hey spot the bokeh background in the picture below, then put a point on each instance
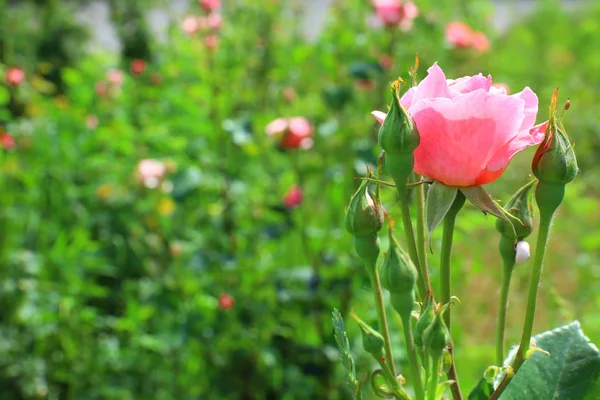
(157, 243)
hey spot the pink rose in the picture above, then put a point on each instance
(395, 12)
(293, 197)
(296, 132)
(469, 131)
(15, 76)
(7, 141)
(190, 25)
(459, 34)
(150, 172)
(115, 77)
(210, 5)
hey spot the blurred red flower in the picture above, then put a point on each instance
(226, 301)
(7, 141)
(293, 197)
(138, 66)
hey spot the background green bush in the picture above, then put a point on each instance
(110, 290)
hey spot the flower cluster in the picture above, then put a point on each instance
(209, 23)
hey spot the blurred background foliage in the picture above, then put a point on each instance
(209, 281)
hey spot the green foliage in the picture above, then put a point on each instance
(571, 370)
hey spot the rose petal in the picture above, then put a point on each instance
(474, 126)
(434, 85)
(531, 137)
(470, 83)
(379, 116)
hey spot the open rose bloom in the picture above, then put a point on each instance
(469, 130)
(396, 12)
(295, 133)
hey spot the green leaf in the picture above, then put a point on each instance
(482, 199)
(342, 340)
(439, 200)
(571, 372)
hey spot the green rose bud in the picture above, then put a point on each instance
(364, 215)
(426, 318)
(399, 137)
(554, 160)
(372, 341)
(436, 337)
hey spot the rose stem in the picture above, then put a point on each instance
(446, 253)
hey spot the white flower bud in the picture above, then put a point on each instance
(523, 253)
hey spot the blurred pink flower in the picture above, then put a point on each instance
(210, 5)
(480, 42)
(289, 94)
(386, 61)
(459, 34)
(190, 25)
(469, 133)
(115, 77)
(396, 12)
(91, 121)
(296, 132)
(15, 76)
(101, 88)
(138, 66)
(150, 172)
(211, 41)
(277, 126)
(7, 141)
(293, 197)
(213, 21)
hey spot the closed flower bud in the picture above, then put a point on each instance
(519, 206)
(554, 160)
(398, 133)
(436, 337)
(364, 215)
(426, 318)
(398, 273)
(399, 137)
(522, 252)
(372, 341)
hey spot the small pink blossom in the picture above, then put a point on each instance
(460, 35)
(277, 126)
(296, 132)
(469, 132)
(211, 42)
(91, 122)
(115, 77)
(101, 88)
(213, 21)
(289, 94)
(293, 197)
(7, 141)
(480, 42)
(150, 172)
(210, 5)
(190, 25)
(396, 12)
(15, 76)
